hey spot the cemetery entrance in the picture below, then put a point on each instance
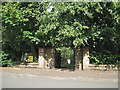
(65, 58)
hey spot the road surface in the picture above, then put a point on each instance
(41, 78)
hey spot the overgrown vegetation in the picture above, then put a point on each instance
(27, 26)
(66, 52)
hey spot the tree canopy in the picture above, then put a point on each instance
(62, 24)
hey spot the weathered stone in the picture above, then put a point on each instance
(85, 57)
(50, 57)
(81, 58)
(46, 58)
(78, 57)
(41, 58)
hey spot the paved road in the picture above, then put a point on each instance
(16, 78)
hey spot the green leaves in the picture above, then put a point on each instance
(101, 38)
(66, 53)
(67, 24)
(29, 36)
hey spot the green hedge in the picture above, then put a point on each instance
(102, 58)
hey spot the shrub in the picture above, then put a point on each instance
(6, 61)
(103, 58)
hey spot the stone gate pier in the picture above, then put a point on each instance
(81, 58)
(86, 61)
(47, 58)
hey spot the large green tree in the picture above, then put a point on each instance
(58, 24)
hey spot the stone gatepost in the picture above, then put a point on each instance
(85, 58)
(46, 58)
(81, 58)
(41, 58)
(50, 57)
(78, 57)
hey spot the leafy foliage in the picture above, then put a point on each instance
(62, 24)
(6, 61)
(66, 53)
